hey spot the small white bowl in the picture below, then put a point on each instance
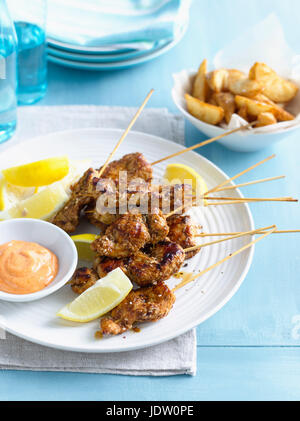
(244, 141)
(49, 236)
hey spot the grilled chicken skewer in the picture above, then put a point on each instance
(160, 260)
(148, 267)
(153, 303)
(150, 303)
(86, 191)
(90, 187)
(131, 232)
(145, 199)
(82, 194)
(143, 305)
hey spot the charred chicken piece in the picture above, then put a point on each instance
(93, 217)
(182, 231)
(135, 164)
(148, 267)
(123, 238)
(100, 220)
(131, 232)
(83, 279)
(104, 265)
(155, 263)
(115, 204)
(143, 305)
(157, 226)
(83, 193)
(138, 175)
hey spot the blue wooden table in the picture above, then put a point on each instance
(249, 349)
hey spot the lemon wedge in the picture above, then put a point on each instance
(2, 195)
(180, 173)
(83, 245)
(99, 299)
(10, 194)
(42, 205)
(44, 201)
(76, 169)
(39, 173)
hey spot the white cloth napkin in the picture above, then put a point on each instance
(177, 356)
(41, 120)
(116, 24)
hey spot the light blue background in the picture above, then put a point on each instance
(247, 350)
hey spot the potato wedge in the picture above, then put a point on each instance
(212, 98)
(263, 98)
(208, 113)
(265, 119)
(276, 88)
(200, 86)
(282, 115)
(227, 101)
(279, 112)
(254, 107)
(244, 87)
(218, 80)
(235, 74)
(243, 112)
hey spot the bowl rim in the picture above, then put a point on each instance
(221, 130)
(50, 288)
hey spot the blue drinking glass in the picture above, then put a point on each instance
(30, 23)
(8, 76)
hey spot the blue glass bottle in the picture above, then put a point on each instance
(30, 24)
(32, 66)
(8, 74)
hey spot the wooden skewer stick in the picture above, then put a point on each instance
(223, 234)
(238, 175)
(180, 208)
(253, 199)
(126, 132)
(249, 183)
(182, 284)
(241, 234)
(235, 202)
(206, 142)
(223, 184)
(231, 201)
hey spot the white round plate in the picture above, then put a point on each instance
(87, 56)
(117, 48)
(68, 61)
(36, 321)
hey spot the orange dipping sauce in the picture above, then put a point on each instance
(26, 267)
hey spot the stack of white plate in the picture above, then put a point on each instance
(77, 30)
(93, 58)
